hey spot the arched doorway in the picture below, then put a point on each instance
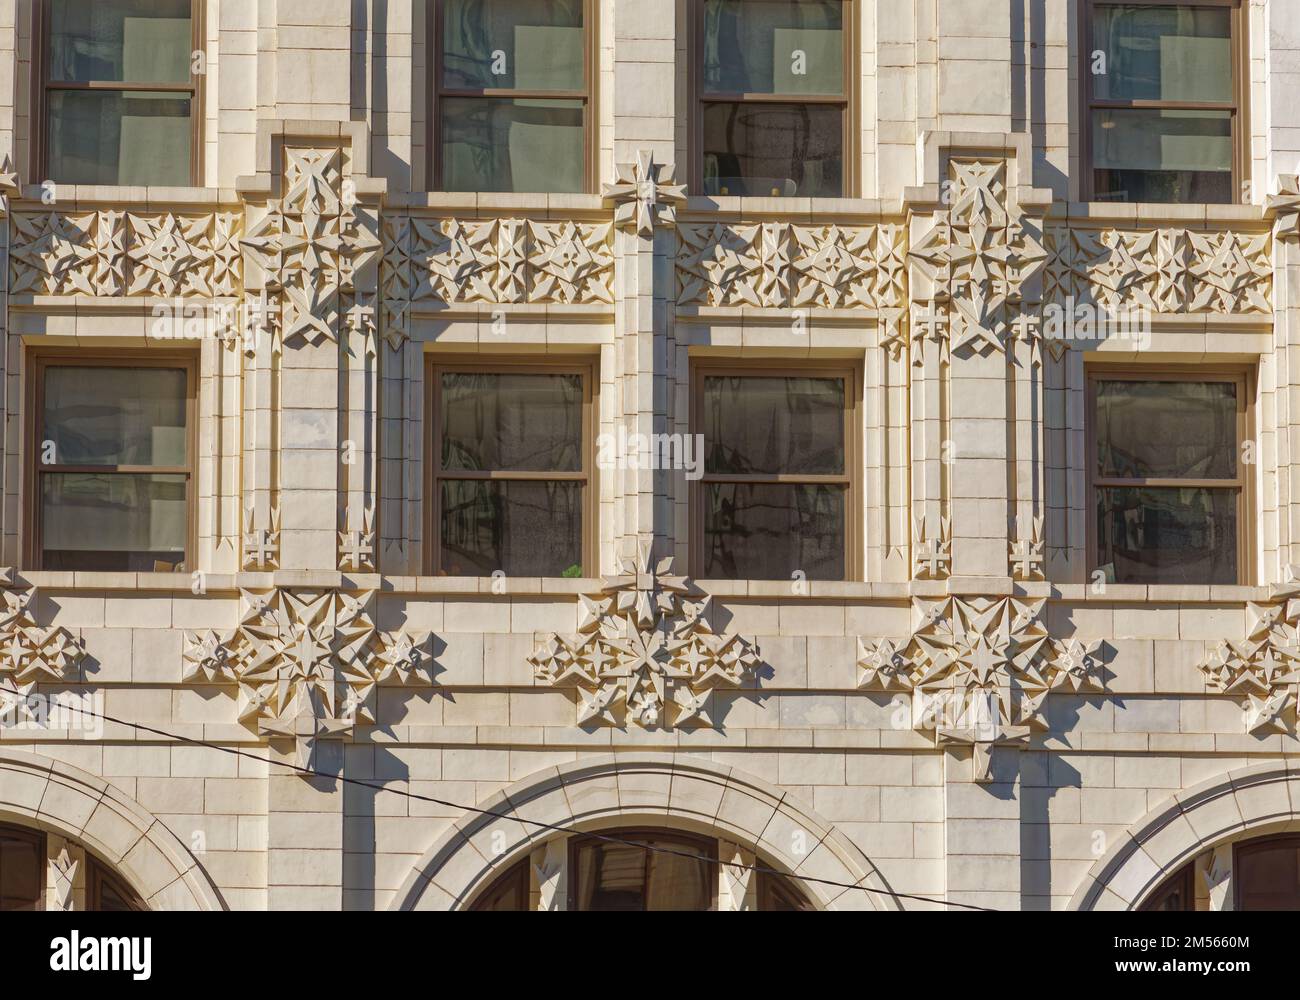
(39, 872)
(647, 869)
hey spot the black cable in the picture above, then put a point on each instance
(309, 772)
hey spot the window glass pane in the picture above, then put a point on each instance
(512, 422)
(111, 137)
(679, 883)
(768, 531)
(520, 528)
(621, 877)
(113, 523)
(136, 41)
(1269, 876)
(1164, 430)
(1167, 535)
(778, 894)
(1162, 156)
(498, 144)
(111, 896)
(773, 47)
(115, 416)
(513, 44)
(774, 150)
(772, 425)
(1158, 53)
(21, 868)
(509, 894)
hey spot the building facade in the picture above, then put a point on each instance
(621, 454)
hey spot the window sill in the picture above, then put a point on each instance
(75, 197)
(784, 590)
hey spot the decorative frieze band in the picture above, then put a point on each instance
(783, 266)
(495, 261)
(1161, 271)
(111, 253)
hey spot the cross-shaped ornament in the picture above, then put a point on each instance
(982, 738)
(259, 548)
(1026, 559)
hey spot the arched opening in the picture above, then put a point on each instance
(1265, 875)
(641, 869)
(475, 864)
(26, 883)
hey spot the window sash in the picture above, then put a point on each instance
(194, 89)
(702, 96)
(441, 92)
(584, 477)
(1093, 104)
(849, 480)
(37, 471)
(1241, 486)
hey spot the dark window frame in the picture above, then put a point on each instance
(1244, 484)
(1239, 108)
(1182, 884)
(39, 361)
(852, 478)
(97, 876)
(37, 839)
(437, 92)
(847, 100)
(1255, 846)
(517, 877)
(196, 89)
(434, 474)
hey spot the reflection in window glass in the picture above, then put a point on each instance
(1167, 429)
(499, 144)
(511, 474)
(773, 150)
(22, 869)
(757, 50)
(766, 531)
(1168, 479)
(119, 98)
(513, 44)
(1163, 53)
(1266, 874)
(615, 877)
(774, 500)
(773, 47)
(512, 96)
(1182, 536)
(1162, 111)
(120, 138)
(1162, 156)
(114, 468)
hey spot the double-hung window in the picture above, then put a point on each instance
(512, 469)
(772, 112)
(776, 500)
(1170, 477)
(119, 91)
(1162, 83)
(113, 469)
(512, 109)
